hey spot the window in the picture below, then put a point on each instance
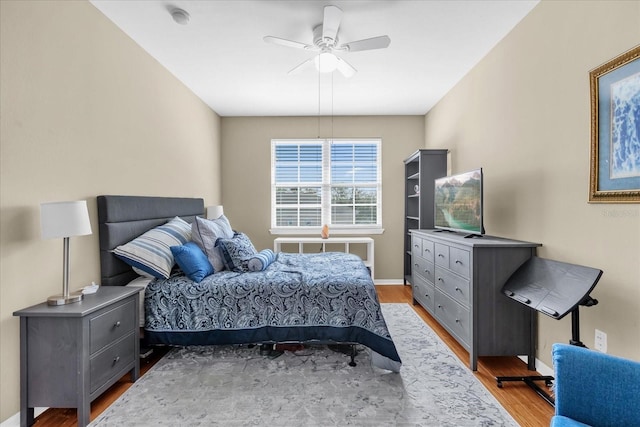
(325, 181)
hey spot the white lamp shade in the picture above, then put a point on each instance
(214, 212)
(326, 62)
(64, 219)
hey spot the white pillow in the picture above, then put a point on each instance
(205, 232)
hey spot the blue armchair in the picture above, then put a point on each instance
(594, 389)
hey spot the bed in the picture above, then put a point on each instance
(323, 298)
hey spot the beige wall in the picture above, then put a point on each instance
(84, 111)
(523, 114)
(246, 163)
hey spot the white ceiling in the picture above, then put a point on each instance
(221, 56)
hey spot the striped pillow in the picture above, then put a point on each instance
(151, 251)
(261, 260)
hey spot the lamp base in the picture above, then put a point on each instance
(68, 299)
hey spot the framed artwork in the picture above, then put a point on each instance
(615, 130)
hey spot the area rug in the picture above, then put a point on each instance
(239, 386)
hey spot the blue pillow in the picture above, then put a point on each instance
(236, 252)
(261, 260)
(192, 261)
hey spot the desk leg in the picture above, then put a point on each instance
(531, 357)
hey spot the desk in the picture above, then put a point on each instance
(301, 241)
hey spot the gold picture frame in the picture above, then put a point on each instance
(615, 146)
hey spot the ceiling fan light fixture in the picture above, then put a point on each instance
(326, 62)
(180, 16)
(325, 41)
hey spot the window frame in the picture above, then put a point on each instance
(326, 185)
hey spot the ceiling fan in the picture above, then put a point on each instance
(325, 41)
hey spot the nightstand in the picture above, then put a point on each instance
(70, 354)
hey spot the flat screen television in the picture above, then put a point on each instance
(458, 203)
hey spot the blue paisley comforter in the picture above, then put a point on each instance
(325, 297)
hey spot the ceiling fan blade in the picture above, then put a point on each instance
(379, 42)
(306, 64)
(331, 22)
(345, 68)
(288, 43)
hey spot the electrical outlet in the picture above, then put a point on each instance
(601, 341)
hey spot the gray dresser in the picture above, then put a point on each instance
(70, 354)
(458, 281)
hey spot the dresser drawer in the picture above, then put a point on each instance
(454, 317)
(111, 361)
(427, 250)
(112, 325)
(423, 292)
(459, 261)
(423, 268)
(416, 246)
(442, 255)
(454, 286)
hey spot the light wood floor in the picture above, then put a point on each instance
(526, 407)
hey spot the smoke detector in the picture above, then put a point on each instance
(180, 16)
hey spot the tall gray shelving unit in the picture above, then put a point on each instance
(421, 169)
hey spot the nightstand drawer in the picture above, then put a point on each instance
(111, 361)
(111, 325)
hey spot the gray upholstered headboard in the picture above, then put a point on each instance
(122, 218)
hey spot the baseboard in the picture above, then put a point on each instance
(388, 281)
(540, 366)
(14, 421)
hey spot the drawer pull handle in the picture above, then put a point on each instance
(457, 320)
(427, 271)
(416, 264)
(441, 256)
(416, 246)
(457, 288)
(427, 250)
(439, 306)
(116, 360)
(440, 279)
(117, 324)
(458, 262)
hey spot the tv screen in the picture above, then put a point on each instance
(458, 202)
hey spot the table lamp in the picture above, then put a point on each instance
(214, 212)
(64, 219)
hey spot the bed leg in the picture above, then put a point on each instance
(353, 355)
